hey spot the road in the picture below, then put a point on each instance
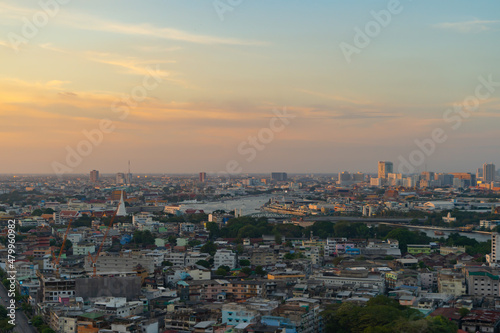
(21, 321)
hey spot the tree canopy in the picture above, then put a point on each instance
(382, 315)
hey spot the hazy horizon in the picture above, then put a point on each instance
(208, 80)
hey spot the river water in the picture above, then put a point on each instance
(473, 235)
(252, 204)
(248, 205)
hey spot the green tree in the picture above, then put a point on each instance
(37, 212)
(194, 242)
(148, 238)
(48, 330)
(463, 312)
(278, 239)
(240, 249)
(213, 229)
(172, 240)
(209, 247)
(222, 271)
(244, 262)
(260, 271)
(203, 263)
(37, 321)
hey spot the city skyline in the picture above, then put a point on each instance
(215, 79)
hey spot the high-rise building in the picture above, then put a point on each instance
(488, 172)
(467, 179)
(444, 179)
(203, 176)
(94, 176)
(358, 177)
(120, 178)
(479, 174)
(428, 175)
(385, 168)
(279, 176)
(344, 176)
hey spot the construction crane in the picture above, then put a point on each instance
(55, 261)
(93, 260)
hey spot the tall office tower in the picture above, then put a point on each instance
(385, 168)
(94, 176)
(428, 175)
(344, 177)
(479, 174)
(488, 172)
(358, 177)
(203, 177)
(120, 178)
(444, 179)
(279, 176)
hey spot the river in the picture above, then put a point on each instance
(473, 235)
(248, 205)
(252, 204)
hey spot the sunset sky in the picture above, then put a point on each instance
(221, 79)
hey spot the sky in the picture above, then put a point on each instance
(248, 86)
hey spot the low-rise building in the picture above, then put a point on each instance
(451, 283)
(225, 257)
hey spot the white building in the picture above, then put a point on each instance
(449, 219)
(83, 249)
(119, 306)
(176, 258)
(489, 224)
(439, 205)
(157, 256)
(225, 258)
(142, 218)
(495, 254)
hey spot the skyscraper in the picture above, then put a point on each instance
(358, 177)
(488, 172)
(385, 168)
(203, 176)
(479, 174)
(344, 177)
(279, 176)
(120, 178)
(94, 176)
